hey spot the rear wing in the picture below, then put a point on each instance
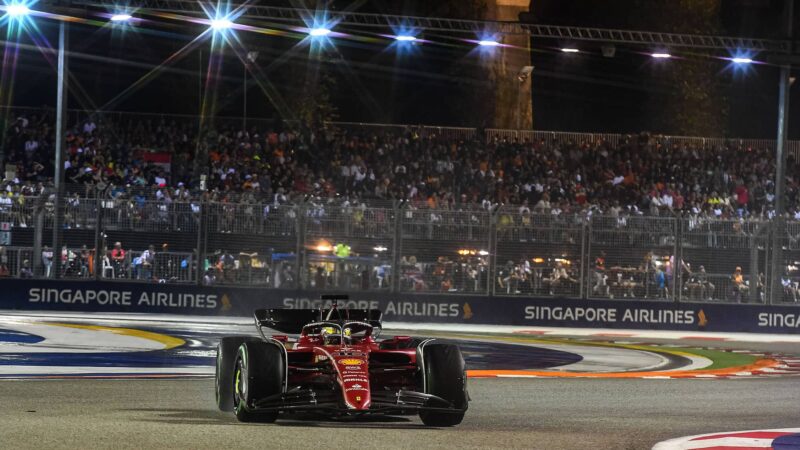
(292, 321)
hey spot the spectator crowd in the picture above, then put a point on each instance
(136, 168)
(274, 165)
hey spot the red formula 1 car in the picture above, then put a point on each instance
(338, 367)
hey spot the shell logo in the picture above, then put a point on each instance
(351, 362)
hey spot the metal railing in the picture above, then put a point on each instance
(505, 251)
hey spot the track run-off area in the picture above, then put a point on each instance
(131, 381)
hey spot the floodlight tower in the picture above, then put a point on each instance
(784, 82)
(62, 94)
(509, 60)
(248, 63)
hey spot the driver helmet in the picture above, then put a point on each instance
(332, 335)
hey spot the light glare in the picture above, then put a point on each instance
(661, 55)
(405, 38)
(739, 60)
(570, 50)
(17, 10)
(488, 43)
(121, 17)
(221, 24)
(319, 32)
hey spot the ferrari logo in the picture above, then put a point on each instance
(358, 398)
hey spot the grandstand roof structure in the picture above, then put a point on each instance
(254, 10)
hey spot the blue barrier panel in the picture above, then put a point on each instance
(431, 308)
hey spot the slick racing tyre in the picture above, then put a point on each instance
(445, 377)
(227, 350)
(258, 373)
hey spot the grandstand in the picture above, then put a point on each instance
(420, 209)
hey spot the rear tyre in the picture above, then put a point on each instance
(227, 349)
(258, 373)
(445, 377)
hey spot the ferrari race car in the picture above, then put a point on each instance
(338, 367)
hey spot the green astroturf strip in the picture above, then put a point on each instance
(721, 360)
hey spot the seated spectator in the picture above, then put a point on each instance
(698, 285)
(790, 288)
(209, 278)
(25, 271)
(559, 277)
(226, 265)
(740, 287)
(147, 261)
(118, 260)
(600, 276)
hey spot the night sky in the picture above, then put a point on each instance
(373, 83)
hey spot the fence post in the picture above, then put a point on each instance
(300, 253)
(37, 239)
(397, 245)
(490, 282)
(584, 261)
(202, 241)
(99, 241)
(677, 271)
(775, 272)
(769, 269)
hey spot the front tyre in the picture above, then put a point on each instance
(227, 350)
(445, 377)
(259, 373)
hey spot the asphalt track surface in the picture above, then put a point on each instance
(532, 413)
(504, 413)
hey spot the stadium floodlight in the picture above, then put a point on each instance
(570, 50)
(661, 55)
(121, 17)
(741, 60)
(319, 32)
(405, 38)
(17, 10)
(488, 43)
(221, 24)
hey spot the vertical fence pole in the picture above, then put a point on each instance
(202, 241)
(397, 246)
(584, 261)
(37, 240)
(753, 272)
(492, 272)
(299, 259)
(780, 159)
(61, 128)
(677, 270)
(99, 242)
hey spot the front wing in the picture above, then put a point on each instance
(402, 402)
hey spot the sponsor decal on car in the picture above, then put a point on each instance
(351, 362)
(356, 387)
(347, 379)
